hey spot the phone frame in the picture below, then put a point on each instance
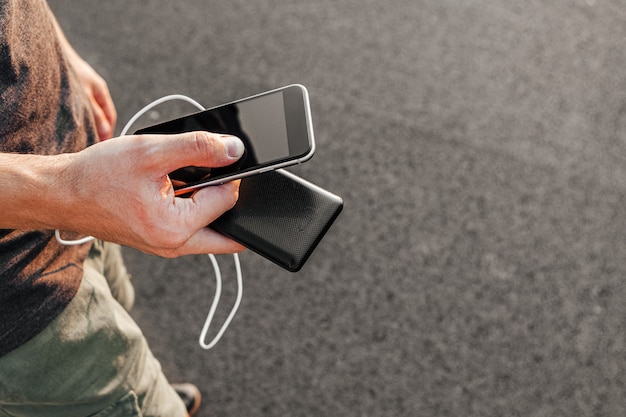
(269, 166)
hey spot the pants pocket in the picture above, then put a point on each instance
(127, 406)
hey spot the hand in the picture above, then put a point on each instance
(97, 91)
(119, 191)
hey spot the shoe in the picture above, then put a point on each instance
(190, 394)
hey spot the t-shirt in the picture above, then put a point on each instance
(43, 110)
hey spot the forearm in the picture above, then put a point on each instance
(34, 191)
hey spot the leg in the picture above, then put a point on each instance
(92, 359)
(106, 258)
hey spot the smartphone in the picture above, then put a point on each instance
(274, 126)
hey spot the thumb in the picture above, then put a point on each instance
(195, 148)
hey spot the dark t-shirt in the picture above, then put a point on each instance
(42, 111)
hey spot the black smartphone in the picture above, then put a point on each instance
(280, 216)
(275, 127)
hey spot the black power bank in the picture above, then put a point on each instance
(280, 216)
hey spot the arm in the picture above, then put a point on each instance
(119, 191)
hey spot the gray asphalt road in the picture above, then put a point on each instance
(480, 147)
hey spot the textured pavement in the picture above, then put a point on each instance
(478, 267)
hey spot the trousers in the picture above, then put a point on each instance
(93, 359)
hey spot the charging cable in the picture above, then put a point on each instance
(216, 267)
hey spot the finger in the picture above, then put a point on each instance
(208, 204)
(103, 98)
(206, 241)
(203, 208)
(103, 127)
(196, 149)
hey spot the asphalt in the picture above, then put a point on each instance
(480, 148)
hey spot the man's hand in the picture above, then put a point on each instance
(119, 191)
(97, 90)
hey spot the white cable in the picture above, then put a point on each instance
(216, 299)
(216, 267)
(77, 242)
(156, 103)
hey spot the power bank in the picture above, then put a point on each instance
(280, 216)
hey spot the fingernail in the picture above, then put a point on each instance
(234, 146)
(104, 129)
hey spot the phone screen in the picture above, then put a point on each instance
(274, 128)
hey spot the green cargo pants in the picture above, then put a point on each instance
(93, 359)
